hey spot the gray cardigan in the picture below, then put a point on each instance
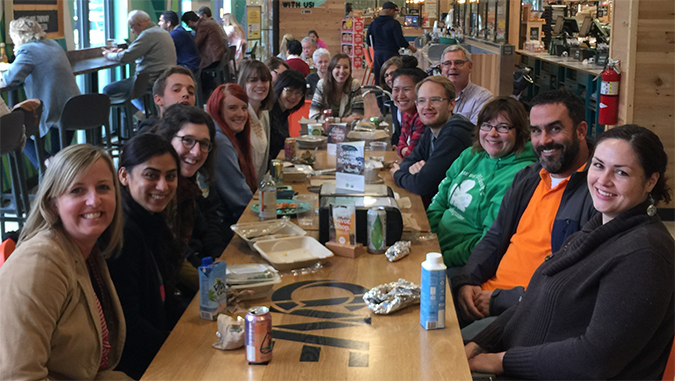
(45, 72)
(231, 186)
(153, 52)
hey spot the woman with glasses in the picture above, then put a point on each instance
(338, 92)
(193, 216)
(289, 91)
(256, 80)
(145, 271)
(235, 176)
(468, 199)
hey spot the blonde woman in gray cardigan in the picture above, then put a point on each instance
(339, 92)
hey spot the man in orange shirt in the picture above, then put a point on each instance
(547, 202)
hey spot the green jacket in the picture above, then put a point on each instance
(468, 200)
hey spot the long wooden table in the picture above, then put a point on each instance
(322, 329)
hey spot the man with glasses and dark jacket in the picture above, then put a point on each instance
(444, 140)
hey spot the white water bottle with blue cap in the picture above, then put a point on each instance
(432, 301)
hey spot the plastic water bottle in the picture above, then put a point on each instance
(212, 288)
(267, 199)
(432, 298)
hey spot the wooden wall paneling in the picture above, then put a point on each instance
(486, 71)
(623, 48)
(654, 90)
(325, 19)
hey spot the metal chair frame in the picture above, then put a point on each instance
(12, 132)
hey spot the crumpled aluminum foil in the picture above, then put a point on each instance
(398, 250)
(391, 297)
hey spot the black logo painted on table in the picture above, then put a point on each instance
(342, 307)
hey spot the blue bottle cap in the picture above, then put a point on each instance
(207, 261)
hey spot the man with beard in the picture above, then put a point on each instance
(547, 202)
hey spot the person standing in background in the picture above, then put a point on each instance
(385, 36)
(212, 44)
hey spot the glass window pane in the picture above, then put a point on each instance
(96, 23)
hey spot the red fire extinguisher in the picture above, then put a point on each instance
(609, 93)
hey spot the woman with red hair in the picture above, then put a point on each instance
(235, 175)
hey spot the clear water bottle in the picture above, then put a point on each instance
(267, 199)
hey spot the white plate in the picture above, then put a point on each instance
(310, 141)
(258, 290)
(274, 228)
(292, 253)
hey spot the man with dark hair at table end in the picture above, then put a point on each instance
(447, 135)
(212, 43)
(385, 36)
(547, 202)
(153, 51)
(175, 85)
(187, 53)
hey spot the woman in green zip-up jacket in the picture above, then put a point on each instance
(469, 197)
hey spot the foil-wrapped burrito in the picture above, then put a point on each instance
(391, 297)
(398, 250)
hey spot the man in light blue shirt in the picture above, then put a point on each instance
(456, 66)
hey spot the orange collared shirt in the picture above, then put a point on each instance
(532, 241)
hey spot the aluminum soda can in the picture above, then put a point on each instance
(258, 335)
(277, 171)
(289, 149)
(377, 230)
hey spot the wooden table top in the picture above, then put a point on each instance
(92, 65)
(322, 329)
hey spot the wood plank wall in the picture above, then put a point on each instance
(326, 19)
(486, 71)
(654, 88)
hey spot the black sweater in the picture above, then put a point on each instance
(142, 273)
(600, 308)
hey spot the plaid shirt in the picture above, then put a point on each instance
(412, 130)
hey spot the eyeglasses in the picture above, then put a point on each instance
(434, 101)
(291, 91)
(457, 63)
(502, 128)
(389, 74)
(189, 141)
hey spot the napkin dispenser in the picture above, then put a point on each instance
(362, 204)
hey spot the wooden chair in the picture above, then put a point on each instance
(31, 120)
(86, 112)
(12, 132)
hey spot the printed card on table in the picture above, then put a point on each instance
(337, 133)
(350, 166)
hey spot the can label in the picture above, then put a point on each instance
(377, 230)
(289, 149)
(258, 335)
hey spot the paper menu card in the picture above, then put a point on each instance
(350, 166)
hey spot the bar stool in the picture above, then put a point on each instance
(12, 132)
(32, 113)
(86, 112)
(220, 73)
(123, 104)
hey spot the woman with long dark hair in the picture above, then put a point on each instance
(601, 307)
(146, 269)
(235, 175)
(338, 92)
(289, 91)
